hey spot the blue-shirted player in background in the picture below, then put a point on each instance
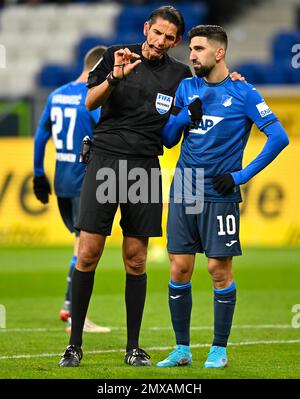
(67, 120)
(216, 115)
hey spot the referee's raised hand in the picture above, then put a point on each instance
(123, 65)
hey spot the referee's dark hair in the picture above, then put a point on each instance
(93, 56)
(211, 32)
(171, 14)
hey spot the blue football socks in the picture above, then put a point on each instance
(69, 278)
(180, 304)
(224, 304)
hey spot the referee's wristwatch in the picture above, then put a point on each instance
(112, 80)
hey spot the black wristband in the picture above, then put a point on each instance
(112, 80)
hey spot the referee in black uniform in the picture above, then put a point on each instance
(135, 85)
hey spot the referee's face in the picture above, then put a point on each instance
(160, 37)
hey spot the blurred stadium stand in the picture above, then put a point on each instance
(128, 29)
(36, 36)
(261, 41)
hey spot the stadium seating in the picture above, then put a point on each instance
(294, 75)
(37, 35)
(282, 45)
(54, 75)
(42, 42)
(46, 38)
(268, 74)
(128, 29)
(279, 70)
(251, 71)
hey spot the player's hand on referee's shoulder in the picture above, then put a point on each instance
(237, 76)
(41, 188)
(124, 63)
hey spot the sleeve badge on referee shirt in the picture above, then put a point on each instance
(163, 103)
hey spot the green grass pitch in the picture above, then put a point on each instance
(263, 343)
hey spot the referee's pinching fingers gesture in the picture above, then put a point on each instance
(123, 65)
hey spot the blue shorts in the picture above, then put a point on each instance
(69, 209)
(214, 231)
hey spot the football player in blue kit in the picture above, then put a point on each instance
(215, 114)
(67, 120)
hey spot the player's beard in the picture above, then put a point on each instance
(203, 70)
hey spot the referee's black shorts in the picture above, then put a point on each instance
(106, 186)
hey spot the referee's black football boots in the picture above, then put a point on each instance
(71, 357)
(137, 357)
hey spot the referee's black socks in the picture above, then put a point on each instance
(135, 295)
(82, 287)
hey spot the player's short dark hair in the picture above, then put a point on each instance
(211, 32)
(93, 56)
(171, 14)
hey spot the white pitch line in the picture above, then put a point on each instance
(30, 329)
(241, 326)
(159, 348)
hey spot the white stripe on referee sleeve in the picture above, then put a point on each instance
(95, 66)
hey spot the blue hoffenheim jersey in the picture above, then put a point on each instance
(217, 143)
(66, 118)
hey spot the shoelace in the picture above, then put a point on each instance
(71, 352)
(141, 352)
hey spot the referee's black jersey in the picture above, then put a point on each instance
(133, 116)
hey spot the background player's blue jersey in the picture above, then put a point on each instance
(217, 143)
(66, 118)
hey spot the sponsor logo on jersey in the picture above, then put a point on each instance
(207, 122)
(263, 109)
(163, 103)
(226, 101)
